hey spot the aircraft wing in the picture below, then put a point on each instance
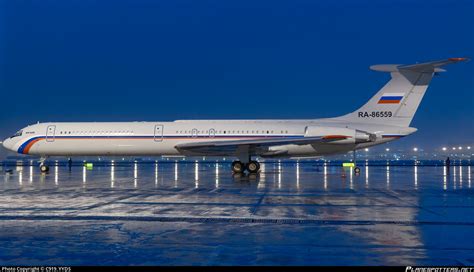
(213, 147)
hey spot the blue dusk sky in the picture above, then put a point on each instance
(144, 60)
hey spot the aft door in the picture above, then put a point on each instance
(158, 136)
(50, 131)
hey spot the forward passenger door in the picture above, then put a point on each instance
(158, 134)
(50, 133)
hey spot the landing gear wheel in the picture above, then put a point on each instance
(237, 167)
(357, 170)
(44, 168)
(253, 166)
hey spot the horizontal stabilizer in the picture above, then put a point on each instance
(426, 67)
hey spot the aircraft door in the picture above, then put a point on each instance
(50, 133)
(212, 133)
(158, 135)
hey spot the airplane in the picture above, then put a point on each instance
(384, 118)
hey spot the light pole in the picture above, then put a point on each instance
(415, 149)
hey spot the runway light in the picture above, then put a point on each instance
(468, 147)
(387, 149)
(444, 148)
(454, 148)
(415, 149)
(460, 148)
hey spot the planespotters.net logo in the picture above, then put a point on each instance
(439, 269)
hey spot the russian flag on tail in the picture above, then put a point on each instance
(391, 98)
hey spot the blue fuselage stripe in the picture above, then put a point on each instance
(125, 137)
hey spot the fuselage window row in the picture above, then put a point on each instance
(210, 133)
(213, 132)
(95, 132)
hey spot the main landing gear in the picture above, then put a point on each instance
(251, 166)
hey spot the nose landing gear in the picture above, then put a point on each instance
(43, 167)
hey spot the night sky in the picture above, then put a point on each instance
(144, 60)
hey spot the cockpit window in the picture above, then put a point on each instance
(19, 133)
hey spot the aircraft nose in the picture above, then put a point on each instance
(8, 144)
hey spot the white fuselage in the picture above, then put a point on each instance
(161, 138)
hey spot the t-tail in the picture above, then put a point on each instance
(396, 103)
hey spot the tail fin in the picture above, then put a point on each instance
(396, 103)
